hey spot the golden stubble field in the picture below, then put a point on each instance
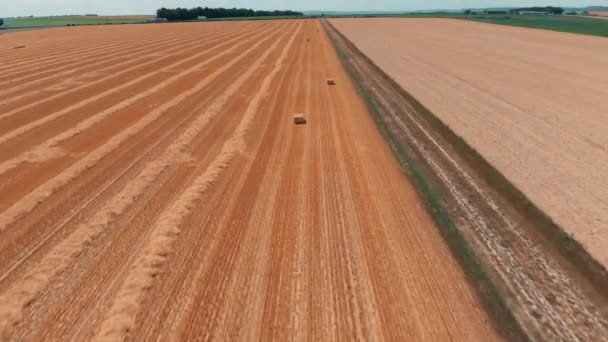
(153, 186)
(532, 102)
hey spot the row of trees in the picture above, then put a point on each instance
(1, 22)
(548, 9)
(172, 14)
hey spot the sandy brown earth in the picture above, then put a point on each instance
(599, 13)
(153, 186)
(532, 102)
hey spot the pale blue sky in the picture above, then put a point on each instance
(57, 7)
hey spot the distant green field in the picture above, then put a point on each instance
(561, 23)
(64, 21)
(572, 24)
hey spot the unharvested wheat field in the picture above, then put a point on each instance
(532, 102)
(153, 186)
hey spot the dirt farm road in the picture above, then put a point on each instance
(153, 186)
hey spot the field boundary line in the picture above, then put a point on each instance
(121, 316)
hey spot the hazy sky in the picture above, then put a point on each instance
(57, 7)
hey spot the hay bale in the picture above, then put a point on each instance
(299, 118)
(331, 81)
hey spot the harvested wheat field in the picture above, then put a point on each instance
(153, 186)
(599, 13)
(532, 102)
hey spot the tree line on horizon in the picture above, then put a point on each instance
(173, 14)
(547, 9)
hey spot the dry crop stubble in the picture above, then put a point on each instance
(165, 199)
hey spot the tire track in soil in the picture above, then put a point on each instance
(120, 319)
(346, 317)
(74, 243)
(385, 253)
(340, 226)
